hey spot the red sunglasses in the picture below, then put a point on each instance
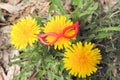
(42, 37)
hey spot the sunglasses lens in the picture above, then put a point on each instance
(69, 33)
(48, 38)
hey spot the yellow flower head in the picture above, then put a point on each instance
(56, 25)
(81, 60)
(24, 32)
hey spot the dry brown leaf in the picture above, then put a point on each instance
(2, 74)
(14, 69)
(14, 2)
(12, 19)
(1, 55)
(115, 70)
(105, 4)
(7, 56)
(5, 36)
(8, 7)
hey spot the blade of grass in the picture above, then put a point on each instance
(59, 6)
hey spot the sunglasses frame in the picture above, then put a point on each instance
(41, 37)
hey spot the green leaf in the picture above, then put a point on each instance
(1, 14)
(113, 28)
(18, 62)
(59, 6)
(93, 7)
(79, 3)
(24, 55)
(59, 54)
(110, 49)
(23, 75)
(52, 7)
(61, 66)
(103, 35)
(49, 58)
(41, 73)
(110, 68)
(47, 65)
(51, 75)
(37, 18)
(88, 0)
(16, 77)
(89, 10)
(75, 14)
(35, 57)
(58, 77)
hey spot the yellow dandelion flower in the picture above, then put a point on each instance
(56, 25)
(81, 60)
(24, 32)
